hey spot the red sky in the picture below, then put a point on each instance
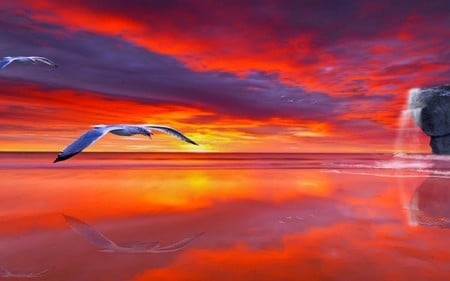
(288, 76)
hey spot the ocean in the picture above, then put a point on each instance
(264, 216)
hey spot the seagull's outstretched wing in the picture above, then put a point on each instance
(44, 60)
(94, 236)
(4, 62)
(82, 142)
(177, 245)
(6, 273)
(171, 131)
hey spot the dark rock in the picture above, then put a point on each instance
(431, 112)
(440, 145)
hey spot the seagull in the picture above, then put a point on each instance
(106, 245)
(99, 131)
(7, 60)
(5, 273)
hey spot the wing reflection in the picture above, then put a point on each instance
(106, 245)
(7, 274)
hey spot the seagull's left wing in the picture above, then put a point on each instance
(172, 132)
(4, 62)
(82, 142)
(177, 245)
(44, 60)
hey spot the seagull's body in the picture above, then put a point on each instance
(99, 131)
(106, 245)
(33, 59)
(7, 274)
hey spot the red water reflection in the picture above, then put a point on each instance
(260, 224)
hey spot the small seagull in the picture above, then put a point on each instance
(106, 245)
(7, 274)
(7, 60)
(99, 131)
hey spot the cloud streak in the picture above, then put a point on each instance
(273, 62)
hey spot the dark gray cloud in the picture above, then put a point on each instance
(115, 67)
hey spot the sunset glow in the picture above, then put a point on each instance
(236, 77)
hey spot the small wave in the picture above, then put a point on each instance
(390, 164)
(422, 156)
(409, 174)
(398, 164)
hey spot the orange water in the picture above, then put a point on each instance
(266, 217)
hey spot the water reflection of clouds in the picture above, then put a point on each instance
(347, 221)
(249, 225)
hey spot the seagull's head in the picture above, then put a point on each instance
(145, 131)
(99, 126)
(7, 58)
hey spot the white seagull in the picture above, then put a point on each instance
(99, 131)
(7, 274)
(7, 60)
(106, 245)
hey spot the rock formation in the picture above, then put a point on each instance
(431, 112)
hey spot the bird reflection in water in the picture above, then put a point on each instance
(7, 274)
(106, 245)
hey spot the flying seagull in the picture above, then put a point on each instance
(99, 131)
(5, 273)
(106, 245)
(7, 60)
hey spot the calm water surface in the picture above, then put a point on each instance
(265, 216)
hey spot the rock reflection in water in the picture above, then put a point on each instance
(430, 203)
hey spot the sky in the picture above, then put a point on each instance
(234, 76)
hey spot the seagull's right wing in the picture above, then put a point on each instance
(94, 236)
(4, 62)
(82, 142)
(177, 245)
(171, 131)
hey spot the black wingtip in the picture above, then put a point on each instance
(58, 159)
(63, 157)
(191, 142)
